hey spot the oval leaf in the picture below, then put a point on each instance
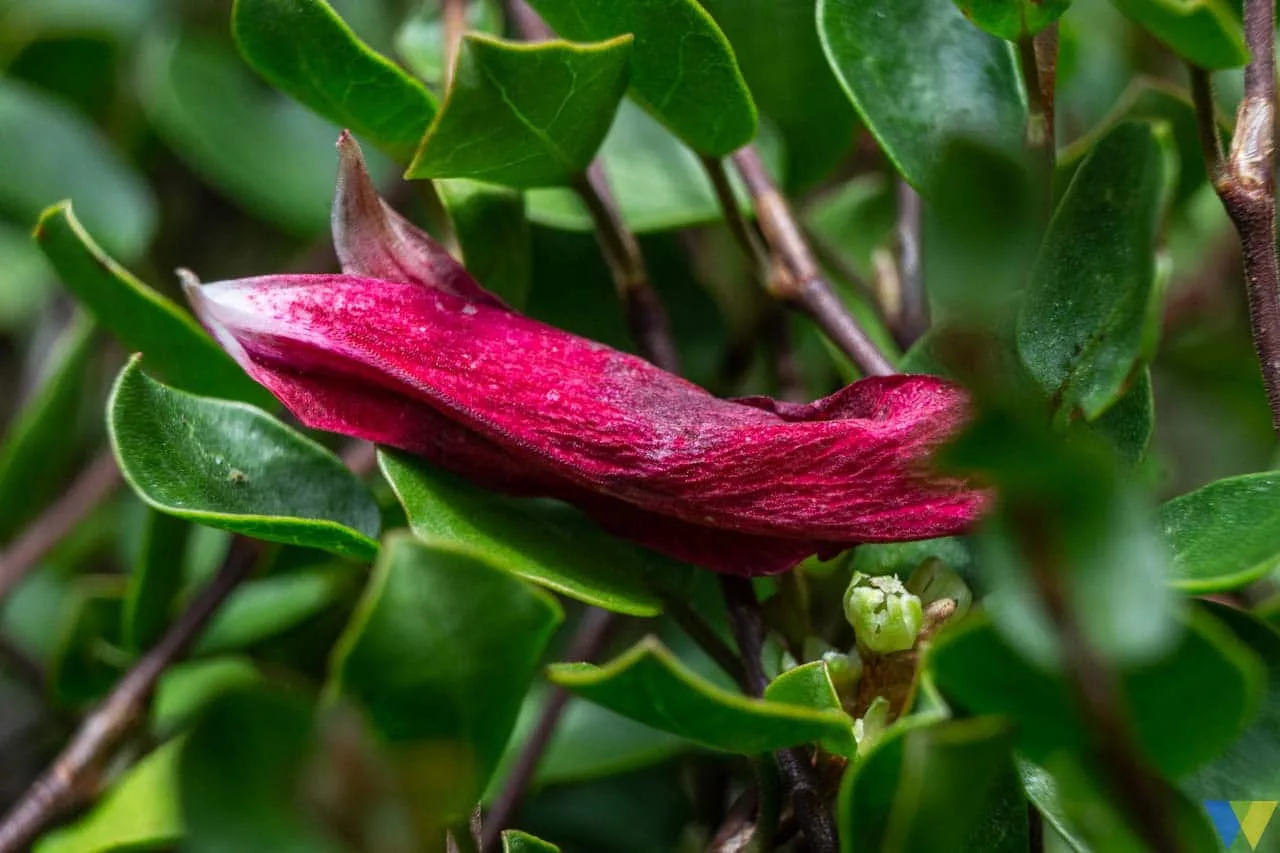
(540, 110)
(514, 841)
(649, 684)
(1091, 310)
(302, 47)
(1207, 33)
(1013, 19)
(920, 74)
(682, 68)
(1226, 534)
(234, 467)
(439, 653)
(809, 685)
(555, 548)
(142, 319)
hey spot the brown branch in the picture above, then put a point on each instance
(812, 809)
(454, 15)
(585, 646)
(799, 281)
(913, 316)
(1206, 121)
(74, 774)
(90, 488)
(1245, 181)
(1039, 134)
(1046, 49)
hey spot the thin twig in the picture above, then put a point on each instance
(646, 318)
(1046, 49)
(794, 764)
(89, 489)
(913, 316)
(585, 646)
(801, 283)
(74, 774)
(1132, 784)
(742, 231)
(1039, 139)
(1206, 120)
(454, 15)
(1245, 181)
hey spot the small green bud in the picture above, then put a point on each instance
(934, 580)
(884, 615)
(868, 728)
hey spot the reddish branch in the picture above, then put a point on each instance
(75, 775)
(1245, 181)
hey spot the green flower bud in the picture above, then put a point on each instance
(934, 580)
(884, 615)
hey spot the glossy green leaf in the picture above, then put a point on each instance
(649, 684)
(1013, 19)
(1207, 33)
(809, 686)
(547, 544)
(1091, 311)
(1226, 534)
(234, 467)
(420, 40)
(154, 580)
(303, 48)
(241, 772)
(138, 316)
(524, 115)
(187, 687)
(1210, 677)
(272, 156)
(439, 653)
(682, 68)
(1129, 424)
(138, 812)
(35, 450)
(777, 47)
(921, 75)
(514, 841)
(924, 786)
(1252, 763)
(85, 663)
(266, 607)
(660, 184)
(493, 234)
(51, 153)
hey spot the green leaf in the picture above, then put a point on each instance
(524, 115)
(1128, 425)
(1226, 534)
(682, 68)
(303, 48)
(85, 664)
(36, 449)
(1210, 677)
(51, 153)
(649, 684)
(439, 653)
(902, 558)
(544, 543)
(920, 75)
(1207, 33)
(514, 841)
(492, 231)
(241, 771)
(420, 40)
(1091, 311)
(138, 812)
(154, 580)
(809, 686)
(187, 688)
(266, 607)
(1251, 765)
(777, 47)
(924, 786)
(1013, 19)
(234, 467)
(269, 154)
(138, 316)
(26, 282)
(660, 184)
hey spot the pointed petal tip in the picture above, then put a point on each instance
(190, 287)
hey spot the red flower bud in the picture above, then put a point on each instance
(406, 349)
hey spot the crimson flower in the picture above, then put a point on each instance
(405, 349)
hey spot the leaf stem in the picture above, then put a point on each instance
(794, 764)
(454, 15)
(1245, 181)
(913, 316)
(797, 279)
(592, 632)
(89, 489)
(74, 774)
(1039, 109)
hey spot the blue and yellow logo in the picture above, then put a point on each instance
(1235, 817)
